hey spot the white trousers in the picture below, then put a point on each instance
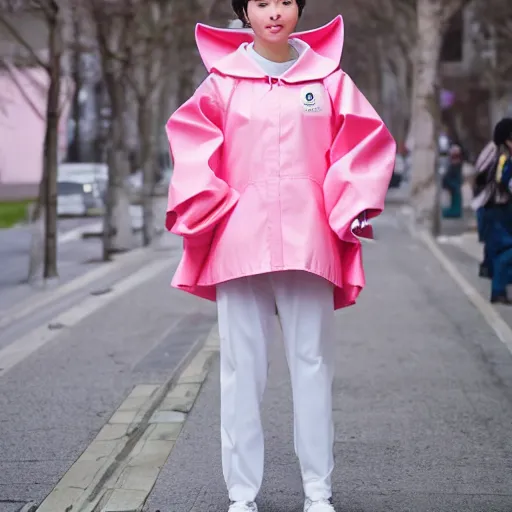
(246, 313)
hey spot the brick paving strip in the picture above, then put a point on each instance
(118, 470)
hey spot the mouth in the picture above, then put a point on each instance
(274, 29)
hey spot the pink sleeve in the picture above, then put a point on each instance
(362, 158)
(198, 198)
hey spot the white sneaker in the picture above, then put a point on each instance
(243, 506)
(318, 506)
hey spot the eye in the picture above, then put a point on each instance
(262, 4)
(288, 2)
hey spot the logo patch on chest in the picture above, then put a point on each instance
(312, 98)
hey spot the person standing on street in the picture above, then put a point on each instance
(279, 164)
(484, 165)
(499, 215)
(452, 182)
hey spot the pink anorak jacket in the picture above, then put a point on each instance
(270, 173)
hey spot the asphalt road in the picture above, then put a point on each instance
(54, 402)
(15, 246)
(423, 394)
(422, 400)
(75, 255)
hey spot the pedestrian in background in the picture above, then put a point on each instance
(493, 204)
(276, 157)
(484, 166)
(452, 182)
(499, 215)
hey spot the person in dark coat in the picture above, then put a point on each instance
(498, 238)
(452, 182)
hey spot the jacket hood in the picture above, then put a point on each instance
(225, 51)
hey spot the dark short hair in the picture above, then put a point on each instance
(240, 8)
(503, 131)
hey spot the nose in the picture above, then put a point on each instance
(276, 15)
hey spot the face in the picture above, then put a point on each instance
(273, 20)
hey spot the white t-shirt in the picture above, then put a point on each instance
(271, 68)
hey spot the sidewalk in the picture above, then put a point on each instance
(423, 404)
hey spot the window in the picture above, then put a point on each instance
(68, 188)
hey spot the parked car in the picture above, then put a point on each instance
(78, 199)
(85, 173)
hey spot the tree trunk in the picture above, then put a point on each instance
(147, 141)
(37, 217)
(426, 113)
(186, 14)
(75, 147)
(36, 251)
(117, 222)
(407, 99)
(51, 147)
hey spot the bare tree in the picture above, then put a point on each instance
(433, 17)
(379, 47)
(76, 51)
(111, 23)
(493, 37)
(182, 67)
(51, 13)
(186, 13)
(151, 40)
(391, 25)
(51, 157)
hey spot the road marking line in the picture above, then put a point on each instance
(467, 242)
(120, 467)
(76, 233)
(19, 350)
(25, 308)
(491, 315)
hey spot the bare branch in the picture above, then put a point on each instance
(21, 40)
(49, 8)
(450, 8)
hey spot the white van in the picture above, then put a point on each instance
(81, 188)
(84, 173)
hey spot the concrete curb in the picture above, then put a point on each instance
(77, 233)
